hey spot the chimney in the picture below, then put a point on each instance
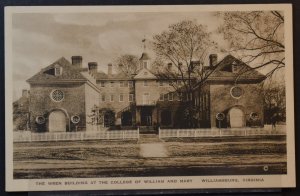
(169, 66)
(213, 59)
(93, 67)
(25, 93)
(77, 61)
(109, 69)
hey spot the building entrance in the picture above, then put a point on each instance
(146, 116)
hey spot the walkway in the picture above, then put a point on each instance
(152, 146)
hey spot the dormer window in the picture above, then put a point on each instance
(234, 67)
(57, 71)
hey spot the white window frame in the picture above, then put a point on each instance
(57, 71)
(103, 98)
(112, 98)
(130, 84)
(130, 97)
(146, 83)
(121, 95)
(161, 97)
(170, 96)
(121, 83)
(102, 83)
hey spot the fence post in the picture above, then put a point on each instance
(138, 133)
(195, 132)
(245, 132)
(123, 135)
(81, 136)
(30, 137)
(159, 133)
(177, 133)
(220, 132)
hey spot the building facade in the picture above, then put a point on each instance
(64, 96)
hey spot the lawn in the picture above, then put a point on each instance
(186, 156)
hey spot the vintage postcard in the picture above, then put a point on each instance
(149, 97)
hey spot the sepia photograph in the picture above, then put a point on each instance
(148, 97)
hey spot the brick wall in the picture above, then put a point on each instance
(42, 104)
(222, 101)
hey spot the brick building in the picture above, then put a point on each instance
(67, 97)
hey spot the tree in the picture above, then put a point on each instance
(127, 64)
(274, 100)
(257, 37)
(185, 45)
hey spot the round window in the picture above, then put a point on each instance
(236, 92)
(75, 119)
(57, 95)
(220, 116)
(40, 120)
(254, 116)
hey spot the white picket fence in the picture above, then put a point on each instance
(215, 132)
(27, 136)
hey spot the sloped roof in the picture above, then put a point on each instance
(69, 72)
(118, 76)
(145, 74)
(244, 72)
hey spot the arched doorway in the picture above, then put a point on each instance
(126, 118)
(57, 121)
(236, 116)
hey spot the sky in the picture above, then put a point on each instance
(39, 39)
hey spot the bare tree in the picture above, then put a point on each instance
(274, 100)
(257, 37)
(185, 45)
(181, 51)
(127, 64)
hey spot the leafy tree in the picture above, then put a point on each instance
(257, 37)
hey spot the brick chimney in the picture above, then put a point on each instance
(77, 61)
(109, 69)
(213, 59)
(93, 67)
(25, 93)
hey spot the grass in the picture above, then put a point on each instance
(187, 156)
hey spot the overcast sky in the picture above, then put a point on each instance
(39, 39)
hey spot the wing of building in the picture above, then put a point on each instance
(64, 96)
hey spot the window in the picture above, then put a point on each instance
(111, 98)
(145, 83)
(103, 98)
(166, 97)
(179, 96)
(121, 83)
(234, 67)
(170, 96)
(58, 71)
(130, 97)
(111, 84)
(161, 83)
(145, 64)
(236, 92)
(75, 119)
(161, 97)
(102, 84)
(130, 83)
(121, 98)
(57, 95)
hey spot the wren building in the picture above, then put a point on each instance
(65, 96)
